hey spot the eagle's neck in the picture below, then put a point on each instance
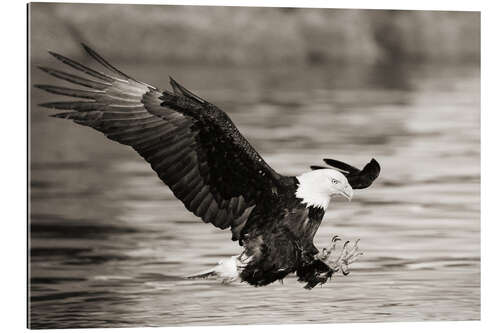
(310, 193)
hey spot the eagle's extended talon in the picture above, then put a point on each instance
(354, 250)
(325, 253)
(355, 257)
(346, 257)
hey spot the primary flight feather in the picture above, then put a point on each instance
(197, 151)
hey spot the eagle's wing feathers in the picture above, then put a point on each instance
(181, 91)
(191, 144)
(358, 179)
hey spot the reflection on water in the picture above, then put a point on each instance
(110, 244)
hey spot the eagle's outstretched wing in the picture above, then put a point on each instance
(191, 144)
(358, 179)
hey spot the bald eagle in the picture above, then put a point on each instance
(197, 151)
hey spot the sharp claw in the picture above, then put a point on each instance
(348, 255)
(353, 251)
(355, 257)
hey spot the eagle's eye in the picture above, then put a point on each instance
(335, 181)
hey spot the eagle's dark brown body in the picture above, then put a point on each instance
(278, 237)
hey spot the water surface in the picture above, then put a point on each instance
(110, 244)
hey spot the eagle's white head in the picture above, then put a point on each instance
(318, 186)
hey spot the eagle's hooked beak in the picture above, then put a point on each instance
(347, 192)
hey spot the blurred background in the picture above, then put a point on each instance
(257, 36)
(109, 243)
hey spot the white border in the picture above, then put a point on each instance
(13, 139)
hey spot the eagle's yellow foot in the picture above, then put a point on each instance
(347, 256)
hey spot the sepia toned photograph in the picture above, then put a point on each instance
(223, 165)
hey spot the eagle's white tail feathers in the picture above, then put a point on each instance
(228, 270)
